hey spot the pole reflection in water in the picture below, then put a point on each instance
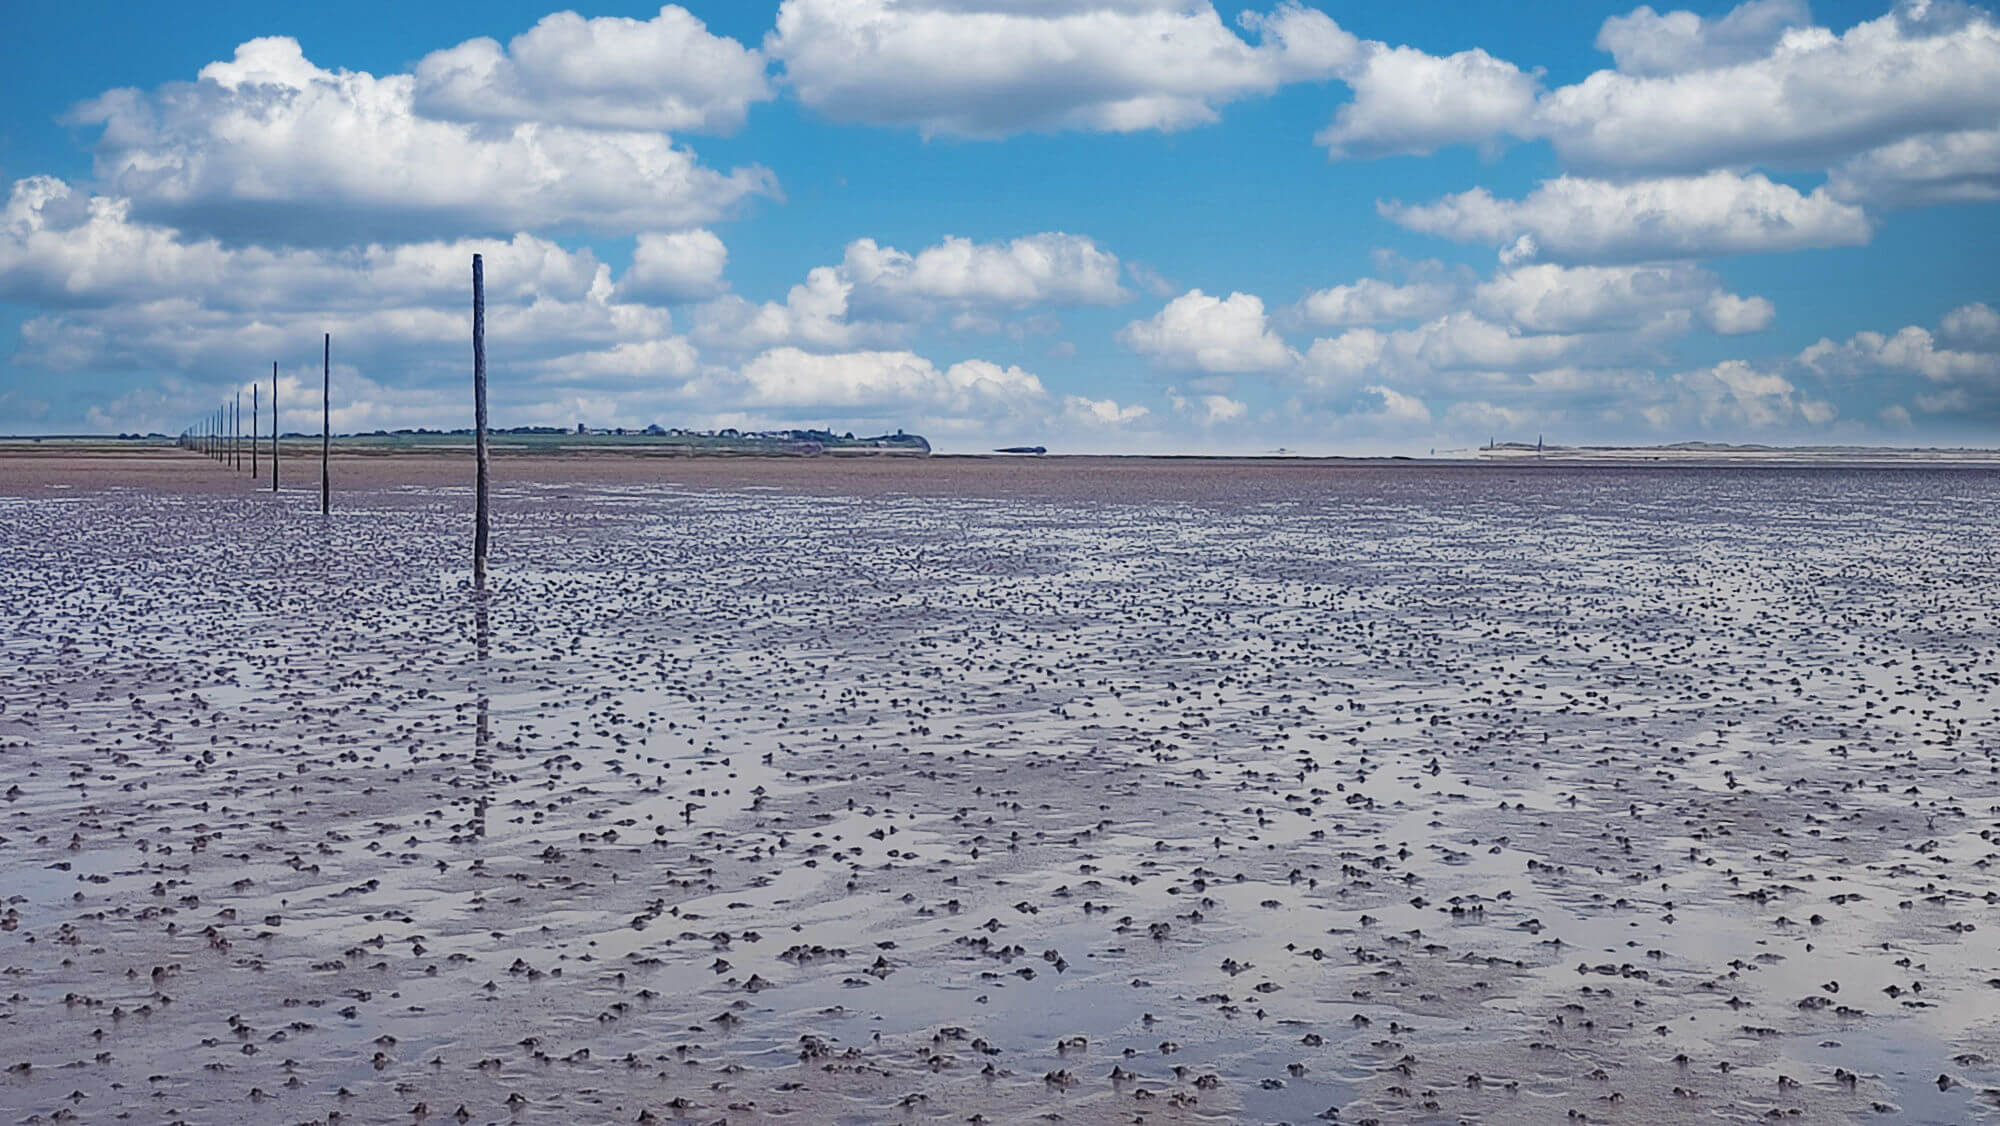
(482, 732)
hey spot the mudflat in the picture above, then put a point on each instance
(944, 789)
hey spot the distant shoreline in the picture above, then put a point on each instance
(50, 467)
(1515, 455)
(295, 449)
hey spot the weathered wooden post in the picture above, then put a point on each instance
(274, 426)
(325, 423)
(236, 433)
(253, 433)
(479, 528)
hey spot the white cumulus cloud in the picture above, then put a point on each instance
(1374, 301)
(1912, 350)
(1221, 335)
(1650, 43)
(1101, 412)
(269, 147)
(1208, 409)
(665, 73)
(1574, 219)
(1407, 101)
(675, 266)
(59, 246)
(992, 69)
(872, 380)
(878, 294)
(1549, 298)
(1960, 167)
(1041, 269)
(1738, 395)
(1731, 315)
(1899, 108)
(1974, 327)
(1812, 98)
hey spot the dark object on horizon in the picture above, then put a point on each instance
(1023, 450)
(479, 530)
(325, 423)
(254, 389)
(274, 426)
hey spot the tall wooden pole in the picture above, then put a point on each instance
(236, 433)
(479, 528)
(274, 426)
(254, 433)
(325, 424)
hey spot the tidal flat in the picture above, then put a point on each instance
(1000, 791)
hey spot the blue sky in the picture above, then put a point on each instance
(1098, 224)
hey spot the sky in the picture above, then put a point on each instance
(1095, 225)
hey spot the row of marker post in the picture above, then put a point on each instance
(220, 435)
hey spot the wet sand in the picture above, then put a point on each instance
(973, 789)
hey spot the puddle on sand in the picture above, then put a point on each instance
(1632, 796)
